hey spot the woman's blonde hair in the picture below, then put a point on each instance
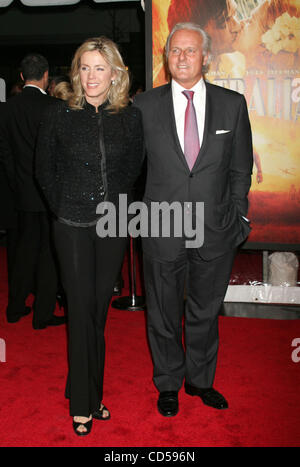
(118, 92)
(63, 90)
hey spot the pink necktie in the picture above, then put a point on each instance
(191, 135)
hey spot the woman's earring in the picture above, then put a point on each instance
(112, 81)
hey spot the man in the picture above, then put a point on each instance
(176, 125)
(34, 267)
(8, 214)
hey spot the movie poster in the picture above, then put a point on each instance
(255, 51)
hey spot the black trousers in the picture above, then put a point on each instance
(205, 284)
(11, 246)
(33, 268)
(89, 267)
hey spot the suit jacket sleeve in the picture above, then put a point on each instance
(135, 162)
(6, 153)
(242, 160)
(45, 160)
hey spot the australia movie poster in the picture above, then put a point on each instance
(255, 51)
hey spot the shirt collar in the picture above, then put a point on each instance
(34, 86)
(177, 88)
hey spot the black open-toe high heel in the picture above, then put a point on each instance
(99, 414)
(87, 426)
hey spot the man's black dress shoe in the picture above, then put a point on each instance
(54, 321)
(17, 317)
(209, 396)
(167, 403)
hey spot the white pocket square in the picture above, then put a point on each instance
(219, 132)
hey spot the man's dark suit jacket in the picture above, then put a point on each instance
(22, 118)
(8, 218)
(220, 178)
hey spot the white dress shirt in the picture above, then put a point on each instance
(180, 103)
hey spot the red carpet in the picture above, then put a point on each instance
(255, 372)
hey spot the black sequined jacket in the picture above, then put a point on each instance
(84, 157)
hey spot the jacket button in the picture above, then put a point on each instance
(191, 175)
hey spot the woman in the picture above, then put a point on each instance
(62, 90)
(89, 150)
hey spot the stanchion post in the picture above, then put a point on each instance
(131, 302)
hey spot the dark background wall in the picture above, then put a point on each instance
(56, 32)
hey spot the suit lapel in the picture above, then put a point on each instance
(168, 123)
(207, 125)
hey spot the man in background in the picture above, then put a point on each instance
(8, 214)
(34, 266)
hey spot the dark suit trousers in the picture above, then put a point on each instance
(89, 267)
(11, 246)
(205, 284)
(34, 268)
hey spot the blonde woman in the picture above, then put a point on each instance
(62, 90)
(89, 150)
